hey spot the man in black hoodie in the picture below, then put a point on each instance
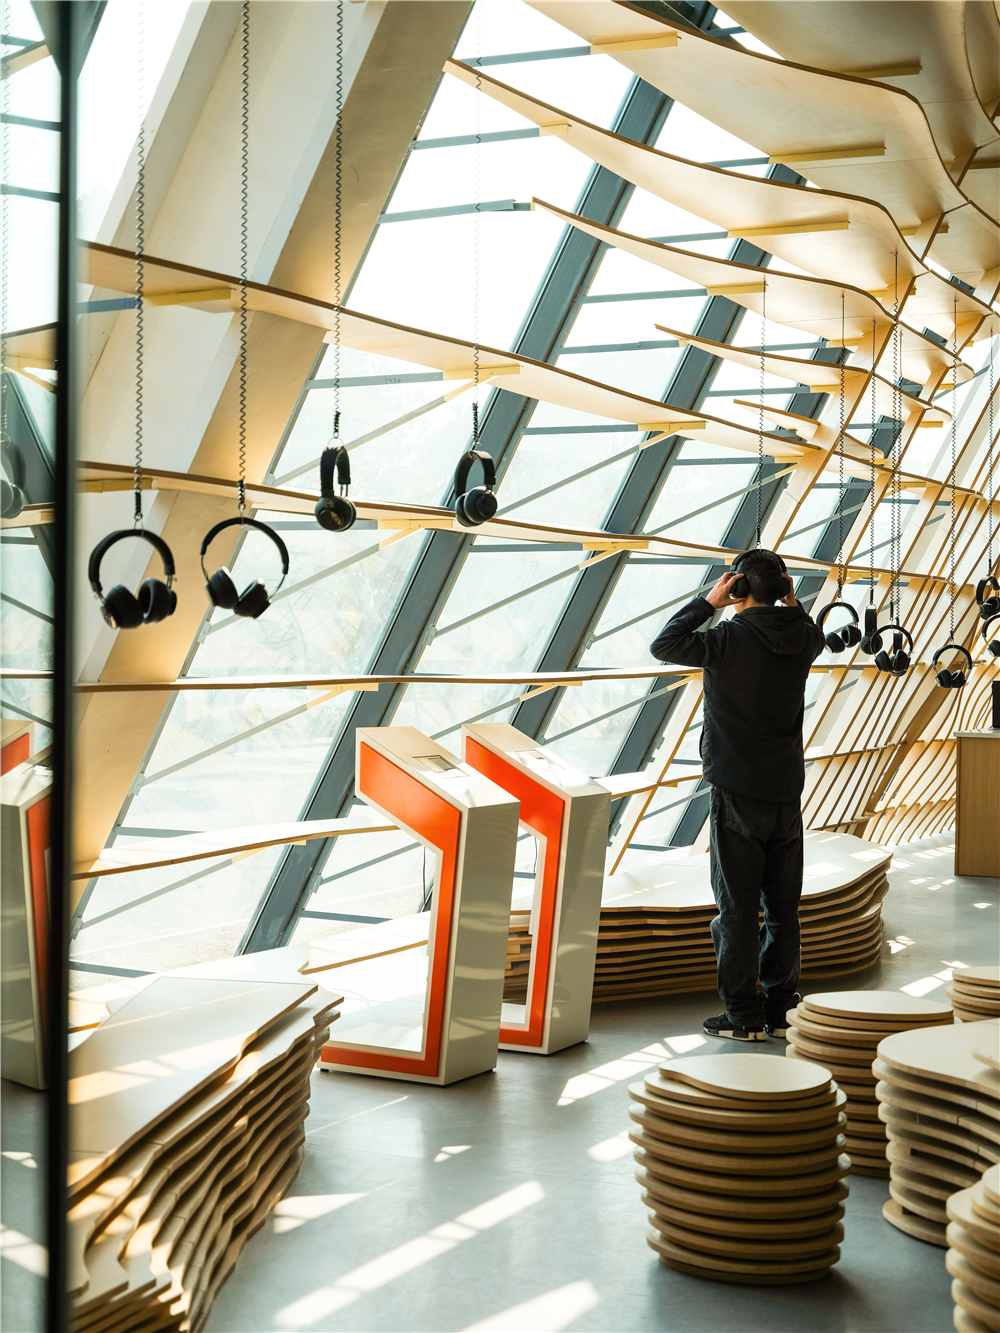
(754, 672)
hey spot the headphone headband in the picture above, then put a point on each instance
(990, 581)
(465, 464)
(986, 626)
(102, 548)
(897, 629)
(953, 648)
(338, 458)
(211, 535)
(834, 606)
(758, 550)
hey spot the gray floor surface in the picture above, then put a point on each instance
(508, 1201)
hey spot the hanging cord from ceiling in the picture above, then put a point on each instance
(338, 218)
(760, 413)
(140, 245)
(477, 224)
(896, 522)
(841, 571)
(989, 463)
(244, 212)
(871, 493)
(954, 465)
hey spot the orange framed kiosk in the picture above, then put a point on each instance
(568, 815)
(430, 1012)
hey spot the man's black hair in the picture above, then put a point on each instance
(767, 583)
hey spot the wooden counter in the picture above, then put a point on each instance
(977, 805)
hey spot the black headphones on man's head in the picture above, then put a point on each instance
(741, 588)
(952, 680)
(253, 601)
(480, 504)
(335, 512)
(848, 636)
(154, 601)
(895, 661)
(988, 606)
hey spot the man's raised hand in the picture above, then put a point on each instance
(719, 596)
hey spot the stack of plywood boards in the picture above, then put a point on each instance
(654, 934)
(186, 1127)
(515, 977)
(973, 1257)
(740, 1158)
(840, 1030)
(939, 1096)
(975, 993)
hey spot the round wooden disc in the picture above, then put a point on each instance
(859, 1110)
(889, 1095)
(960, 1208)
(934, 1189)
(987, 1054)
(845, 1076)
(863, 1041)
(728, 1141)
(924, 1123)
(987, 1288)
(742, 1228)
(946, 1092)
(978, 976)
(873, 1133)
(913, 1225)
(963, 1295)
(765, 1078)
(885, 1026)
(876, 1004)
(943, 1054)
(932, 1145)
(743, 1164)
(757, 1121)
(991, 1183)
(864, 1169)
(736, 1247)
(967, 1323)
(735, 1270)
(915, 1202)
(985, 1208)
(661, 1085)
(986, 1260)
(744, 1186)
(977, 1003)
(844, 1055)
(962, 987)
(738, 1211)
(971, 1016)
(959, 1177)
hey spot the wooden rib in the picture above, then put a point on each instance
(894, 159)
(866, 249)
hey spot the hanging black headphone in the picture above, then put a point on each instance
(12, 492)
(480, 504)
(871, 640)
(992, 645)
(154, 600)
(952, 680)
(741, 588)
(895, 661)
(848, 636)
(988, 606)
(253, 601)
(335, 512)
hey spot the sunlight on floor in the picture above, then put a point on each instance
(610, 1149)
(550, 1313)
(23, 1251)
(294, 1212)
(445, 1153)
(387, 1267)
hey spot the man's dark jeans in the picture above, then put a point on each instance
(756, 850)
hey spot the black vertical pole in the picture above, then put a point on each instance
(67, 19)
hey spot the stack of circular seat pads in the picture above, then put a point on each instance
(975, 993)
(973, 1257)
(939, 1097)
(840, 1030)
(741, 1161)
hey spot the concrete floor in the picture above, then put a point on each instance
(508, 1201)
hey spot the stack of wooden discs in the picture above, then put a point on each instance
(973, 1257)
(939, 1096)
(654, 936)
(840, 1030)
(518, 968)
(975, 993)
(740, 1161)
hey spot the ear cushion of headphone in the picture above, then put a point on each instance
(740, 589)
(222, 590)
(335, 513)
(957, 679)
(461, 515)
(943, 678)
(481, 503)
(871, 644)
(11, 499)
(900, 662)
(121, 610)
(156, 601)
(253, 601)
(994, 647)
(834, 642)
(882, 660)
(851, 636)
(989, 608)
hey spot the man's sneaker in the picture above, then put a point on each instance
(723, 1026)
(779, 1028)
